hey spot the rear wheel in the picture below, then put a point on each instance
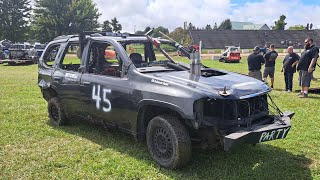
(168, 142)
(56, 112)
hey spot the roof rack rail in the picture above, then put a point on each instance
(110, 34)
(95, 33)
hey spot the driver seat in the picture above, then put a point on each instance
(136, 59)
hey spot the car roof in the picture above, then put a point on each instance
(102, 38)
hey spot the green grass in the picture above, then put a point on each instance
(32, 148)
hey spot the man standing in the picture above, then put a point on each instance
(269, 69)
(289, 67)
(255, 61)
(306, 65)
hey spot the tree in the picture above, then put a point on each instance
(156, 31)
(139, 32)
(280, 24)
(296, 27)
(208, 27)
(181, 36)
(116, 27)
(52, 17)
(215, 26)
(226, 24)
(14, 17)
(147, 29)
(106, 26)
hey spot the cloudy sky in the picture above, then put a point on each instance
(138, 14)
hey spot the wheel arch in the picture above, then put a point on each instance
(48, 93)
(149, 109)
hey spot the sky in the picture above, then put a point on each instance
(136, 15)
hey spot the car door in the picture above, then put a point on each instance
(104, 89)
(66, 78)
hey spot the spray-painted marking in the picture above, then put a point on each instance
(70, 76)
(275, 134)
(159, 82)
(96, 89)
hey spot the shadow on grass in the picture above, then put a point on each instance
(262, 161)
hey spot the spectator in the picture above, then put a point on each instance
(269, 69)
(255, 61)
(306, 66)
(289, 67)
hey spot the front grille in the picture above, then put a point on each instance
(225, 109)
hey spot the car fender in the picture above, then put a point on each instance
(146, 102)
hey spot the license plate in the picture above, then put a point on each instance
(274, 134)
(234, 57)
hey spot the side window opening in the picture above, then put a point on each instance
(71, 59)
(50, 54)
(104, 60)
(140, 53)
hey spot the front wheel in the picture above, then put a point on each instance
(168, 142)
(56, 112)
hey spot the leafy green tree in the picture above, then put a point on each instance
(296, 27)
(147, 29)
(52, 17)
(140, 32)
(226, 24)
(14, 18)
(156, 31)
(181, 36)
(106, 26)
(280, 24)
(116, 26)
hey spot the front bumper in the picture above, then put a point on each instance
(262, 133)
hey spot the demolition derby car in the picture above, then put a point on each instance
(172, 105)
(231, 54)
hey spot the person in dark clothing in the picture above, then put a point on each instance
(269, 69)
(306, 66)
(255, 61)
(289, 67)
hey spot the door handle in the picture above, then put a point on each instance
(57, 78)
(85, 83)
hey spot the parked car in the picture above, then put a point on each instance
(36, 51)
(17, 53)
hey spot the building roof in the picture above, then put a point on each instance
(236, 25)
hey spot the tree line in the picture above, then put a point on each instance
(47, 19)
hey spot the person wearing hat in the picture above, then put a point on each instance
(255, 61)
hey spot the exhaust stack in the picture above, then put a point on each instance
(195, 56)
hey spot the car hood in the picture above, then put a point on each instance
(235, 85)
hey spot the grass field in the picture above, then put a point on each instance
(32, 148)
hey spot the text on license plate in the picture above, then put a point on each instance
(274, 134)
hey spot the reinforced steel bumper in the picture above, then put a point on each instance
(262, 133)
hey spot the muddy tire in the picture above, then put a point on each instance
(56, 112)
(168, 142)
